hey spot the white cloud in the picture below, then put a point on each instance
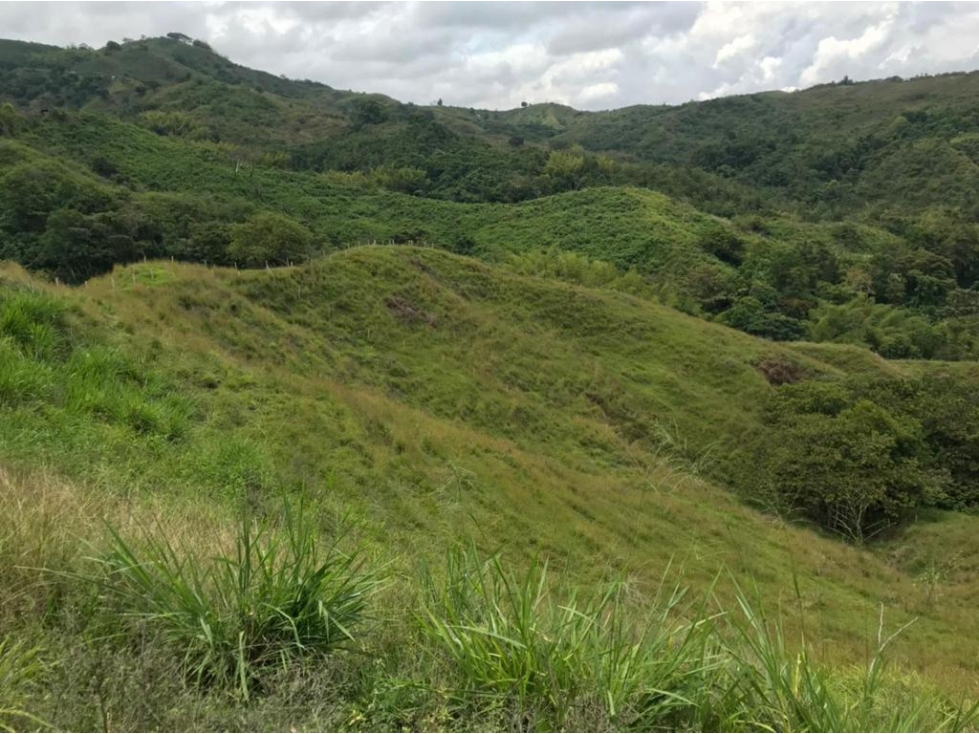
(495, 55)
(596, 92)
(769, 65)
(735, 48)
(831, 51)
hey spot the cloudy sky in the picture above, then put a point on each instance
(495, 55)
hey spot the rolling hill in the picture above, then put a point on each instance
(323, 411)
(430, 398)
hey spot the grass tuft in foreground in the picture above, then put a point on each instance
(283, 594)
(531, 657)
(20, 666)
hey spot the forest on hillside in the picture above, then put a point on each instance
(842, 213)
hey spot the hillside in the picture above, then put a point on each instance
(891, 264)
(429, 399)
(322, 411)
(828, 152)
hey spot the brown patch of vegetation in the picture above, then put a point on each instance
(408, 313)
(780, 371)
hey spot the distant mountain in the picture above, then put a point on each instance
(834, 150)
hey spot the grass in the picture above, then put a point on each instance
(431, 399)
(278, 597)
(542, 661)
(20, 665)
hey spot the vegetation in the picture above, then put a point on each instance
(689, 395)
(187, 146)
(263, 401)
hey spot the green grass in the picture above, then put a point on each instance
(431, 400)
(20, 666)
(542, 659)
(281, 595)
(524, 652)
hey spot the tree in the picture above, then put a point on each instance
(75, 247)
(30, 192)
(523, 104)
(367, 112)
(852, 471)
(750, 315)
(209, 242)
(606, 166)
(10, 119)
(724, 244)
(406, 180)
(439, 103)
(565, 168)
(269, 239)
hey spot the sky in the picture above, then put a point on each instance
(592, 56)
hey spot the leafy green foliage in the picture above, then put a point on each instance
(269, 239)
(851, 471)
(859, 456)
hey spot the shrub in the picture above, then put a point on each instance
(269, 239)
(279, 597)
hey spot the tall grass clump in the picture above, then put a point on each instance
(528, 654)
(33, 321)
(282, 595)
(536, 661)
(31, 326)
(780, 687)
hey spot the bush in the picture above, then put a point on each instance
(269, 239)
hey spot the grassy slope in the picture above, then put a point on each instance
(437, 398)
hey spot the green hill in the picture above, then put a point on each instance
(848, 149)
(427, 398)
(323, 411)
